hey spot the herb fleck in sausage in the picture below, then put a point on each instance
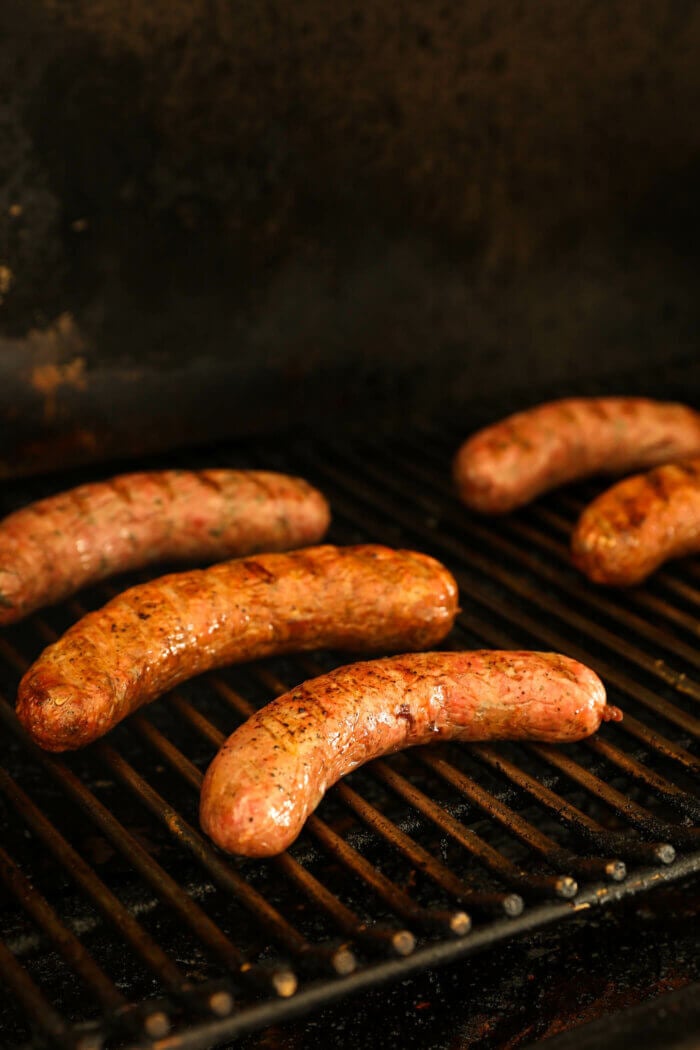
(274, 770)
(152, 637)
(514, 461)
(52, 548)
(630, 530)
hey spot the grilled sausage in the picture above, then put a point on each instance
(152, 637)
(274, 770)
(628, 531)
(52, 548)
(508, 464)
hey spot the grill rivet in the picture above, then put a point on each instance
(460, 923)
(285, 983)
(344, 962)
(566, 886)
(403, 942)
(157, 1024)
(221, 1003)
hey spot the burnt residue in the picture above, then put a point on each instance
(542, 985)
(304, 201)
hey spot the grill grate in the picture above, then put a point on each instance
(121, 926)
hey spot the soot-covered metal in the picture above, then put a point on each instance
(216, 218)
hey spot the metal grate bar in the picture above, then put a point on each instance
(35, 1004)
(537, 816)
(508, 903)
(72, 950)
(494, 570)
(631, 811)
(582, 594)
(591, 867)
(279, 978)
(400, 941)
(547, 885)
(163, 967)
(392, 511)
(393, 897)
(588, 829)
(222, 873)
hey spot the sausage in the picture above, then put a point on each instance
(514, 461)
(274, 770)
(52, 548)
(628, 531)
(154, 636)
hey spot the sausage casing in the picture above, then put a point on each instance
(52, 548)
(274, 770)
(154, 636)
(630, 530)
(514, 461)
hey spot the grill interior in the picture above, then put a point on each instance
(121, 926)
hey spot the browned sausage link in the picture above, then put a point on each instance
(514, 461)
(630, 530)
(51, 549)
(274, 770)
(152, 637)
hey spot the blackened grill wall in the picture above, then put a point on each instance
(220, 218)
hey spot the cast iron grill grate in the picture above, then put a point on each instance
(121, 926)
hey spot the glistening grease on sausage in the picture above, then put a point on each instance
(630, 530)
(52, 548)
(273, 771)
(514, 461)
(152, 637)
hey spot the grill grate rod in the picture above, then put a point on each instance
(495, 903)
(438, 477)
(561, 885)
(602, 839)
(393, 512)
(539, 630)
(223, 875)
(380, 938)
(279, 977)
(633, 813)
(155, 1020)
(558, 858)
(36, 1006)
(73, 951)
(456, 922)
(493, 569)
(463, 520)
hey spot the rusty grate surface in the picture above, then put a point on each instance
(121, 926)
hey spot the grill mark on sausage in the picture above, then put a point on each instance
(122, 489)
(359, 712)
(630, 530)
(656, 480)
(506, 465)
(206, 478)
(141, 518)
(324, 597)
(258, 570)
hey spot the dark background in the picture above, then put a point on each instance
(217, 218)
